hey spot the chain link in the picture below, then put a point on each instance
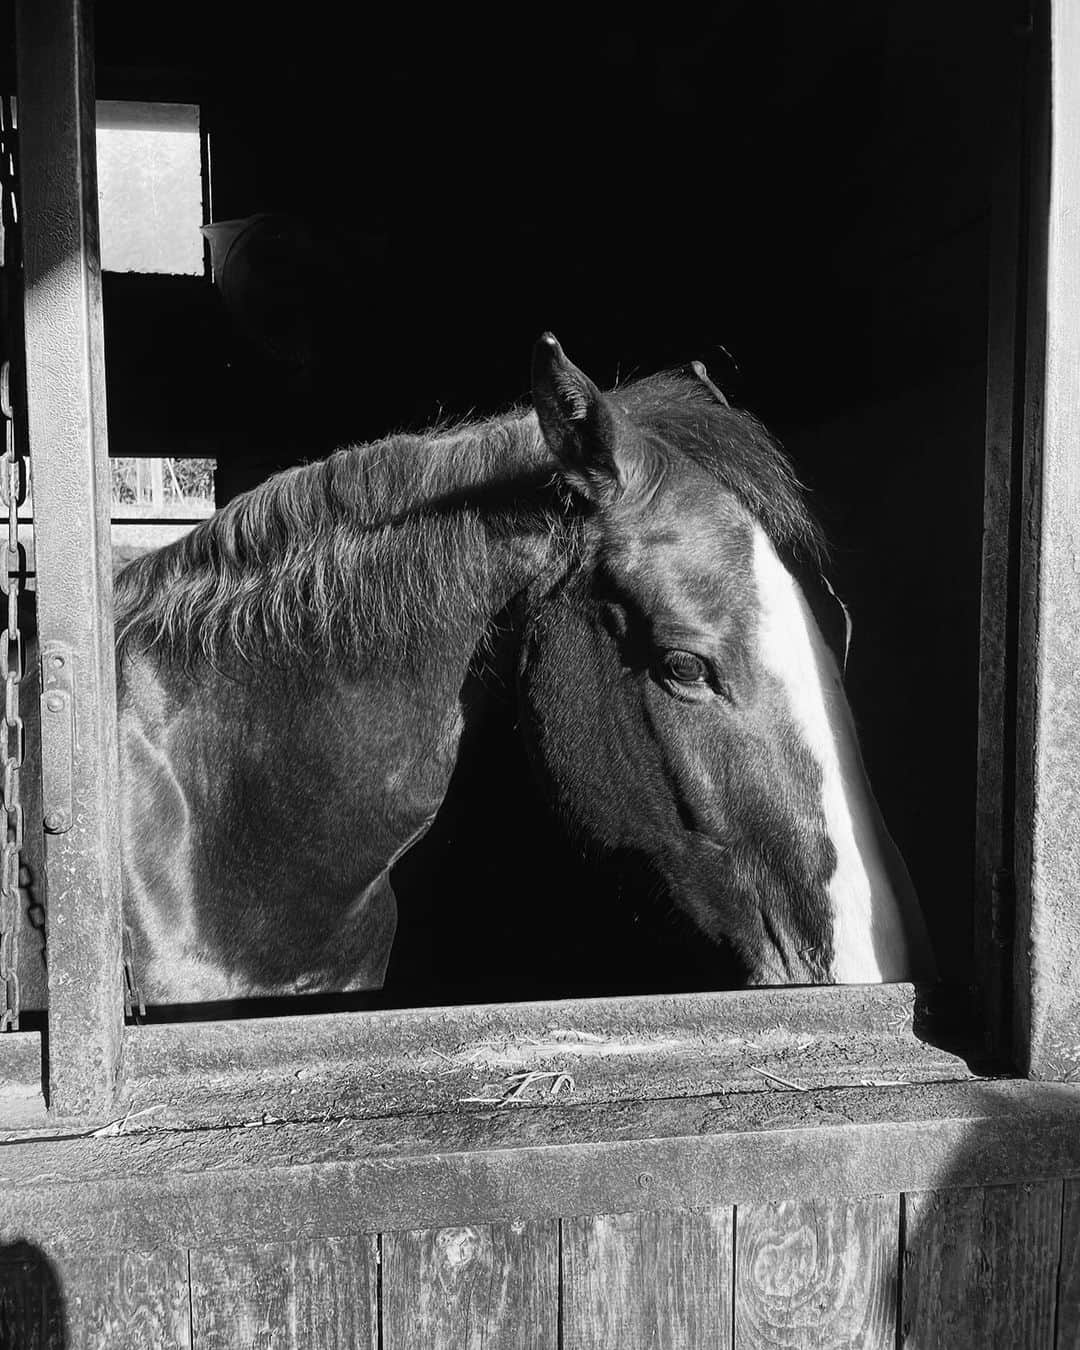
(12, 491)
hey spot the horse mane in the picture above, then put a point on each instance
(387, 545)
(381, 544)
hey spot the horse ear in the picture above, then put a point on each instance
(583, 430)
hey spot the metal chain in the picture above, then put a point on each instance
(12, 485)
(12, 737)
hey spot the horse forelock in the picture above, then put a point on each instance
(680, 416)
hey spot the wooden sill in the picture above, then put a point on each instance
(361, 1065)
(284, 1182)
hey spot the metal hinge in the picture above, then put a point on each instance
(57, 736)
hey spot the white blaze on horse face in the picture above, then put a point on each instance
(877, 926)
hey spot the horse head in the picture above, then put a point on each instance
(681, 706)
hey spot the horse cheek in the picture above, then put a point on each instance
(572, 717)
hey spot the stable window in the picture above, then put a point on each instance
(663, 1045)
(157, 500)
(152, 502)
(150, 187)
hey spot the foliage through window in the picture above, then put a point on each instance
(162, 488)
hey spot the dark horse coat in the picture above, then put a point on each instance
(301, 675)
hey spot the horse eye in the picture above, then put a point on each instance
(684, 667)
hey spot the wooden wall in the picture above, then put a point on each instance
(953, 1268)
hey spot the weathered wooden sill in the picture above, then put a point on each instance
(583, 1051)
(284, 1182)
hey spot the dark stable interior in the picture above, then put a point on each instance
(798, 195)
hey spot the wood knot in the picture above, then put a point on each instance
(457, 1246)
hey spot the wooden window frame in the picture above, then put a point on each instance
(624, 1049)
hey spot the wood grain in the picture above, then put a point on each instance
(292, 1182)
(817, 1273)
(375, 1064)
(128, 1300)
(488, 1287)
(281, 1296)
(1048, 708)
(661, 1281)
(980, 1267)
(1068, 1291)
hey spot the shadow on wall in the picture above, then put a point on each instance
(996, 1264)
(32, 1315)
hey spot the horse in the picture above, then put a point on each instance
(634, 573)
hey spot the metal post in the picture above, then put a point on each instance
(65, 384)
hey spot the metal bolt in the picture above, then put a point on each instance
(54, 821)
(644, 1180)
(55, 702)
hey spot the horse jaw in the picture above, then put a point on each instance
(878, 930)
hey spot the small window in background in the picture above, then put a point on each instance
(155, 501)
(150, 187)
(150, 207)
(162, 489)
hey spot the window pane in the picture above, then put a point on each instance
(162, 489)
(150, 187)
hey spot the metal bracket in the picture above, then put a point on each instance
(57, 735)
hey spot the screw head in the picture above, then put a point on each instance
(54, 821)
(54, 702)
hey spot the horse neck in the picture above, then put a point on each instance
(878, 929)
(469, 519)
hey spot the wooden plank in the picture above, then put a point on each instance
(1048, 736)
(661, 1280)
(817, 1273)
(286, 1296)
(1068, 1291)
(980, 1267)
(65, 387)
(377, 1063)
(285, 1182)
(128, 1300)
(483, 1287)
